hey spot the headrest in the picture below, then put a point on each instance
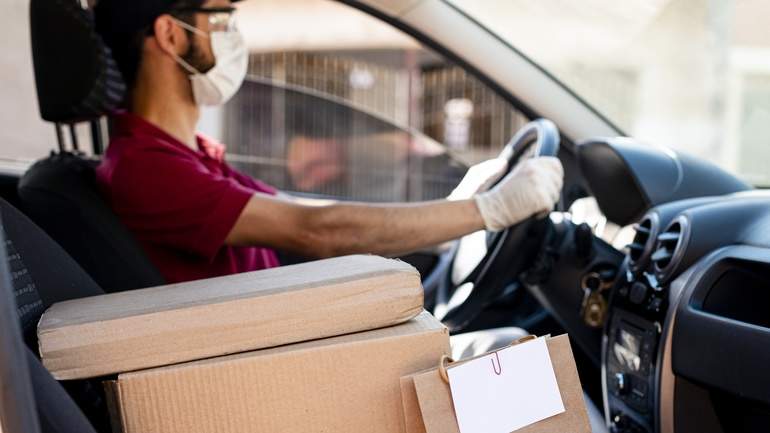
(77, 79)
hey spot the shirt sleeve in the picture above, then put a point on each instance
(250, 182)
(170, 198)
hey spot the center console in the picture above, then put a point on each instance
(631, 338)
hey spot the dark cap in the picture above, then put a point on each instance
(117, 20)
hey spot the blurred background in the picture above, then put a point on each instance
(339, 104)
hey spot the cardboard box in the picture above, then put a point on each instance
(428, 407)
(170, 324)
(347, 384)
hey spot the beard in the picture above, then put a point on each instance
(195, 56)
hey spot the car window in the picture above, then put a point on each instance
(688, 74)
(340, 104)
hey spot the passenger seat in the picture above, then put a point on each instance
(32, 401)
(39, 273)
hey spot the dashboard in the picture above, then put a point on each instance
(690, 308)
(685, 324)
(675, 326)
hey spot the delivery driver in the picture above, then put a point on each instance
(197, 217)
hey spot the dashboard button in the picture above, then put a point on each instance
(640, 391)
(621, 383)
(620, 423)
(584, 239)
(655, 304)
(638, 293)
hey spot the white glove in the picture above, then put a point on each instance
(532, 188)
(479, 178)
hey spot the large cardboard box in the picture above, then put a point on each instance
(346, 384)
(165, 325)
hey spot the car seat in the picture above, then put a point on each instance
(39, 273)
(31, 401)
(78, 81)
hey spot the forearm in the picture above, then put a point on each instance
(332, 229)
(325, 229)
(388, 229)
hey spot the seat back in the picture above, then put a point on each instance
(60, 194)
(17, 404)
(31, 401)
(41, 273)
(77, 80)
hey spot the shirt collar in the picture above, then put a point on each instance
(126, 123)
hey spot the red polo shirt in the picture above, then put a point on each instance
(179, 203)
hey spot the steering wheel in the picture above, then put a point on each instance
(478, 267)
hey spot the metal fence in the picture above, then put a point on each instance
(374, 126)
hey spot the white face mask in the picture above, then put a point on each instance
(220, 83)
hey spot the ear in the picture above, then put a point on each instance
(170, 37)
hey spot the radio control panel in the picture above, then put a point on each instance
(631, 339)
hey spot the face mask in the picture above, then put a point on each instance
(220, 83)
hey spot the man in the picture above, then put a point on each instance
(197, 217)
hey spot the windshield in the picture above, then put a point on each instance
(693, 75)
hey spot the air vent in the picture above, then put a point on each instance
(668, 241)
(640, 248)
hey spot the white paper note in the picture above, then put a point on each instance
(506, 391)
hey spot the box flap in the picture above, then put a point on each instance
(413, 422)
(114, 405)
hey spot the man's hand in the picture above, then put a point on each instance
(533, 187)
